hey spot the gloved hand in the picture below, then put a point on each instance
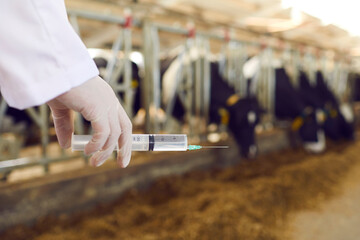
(97, 103)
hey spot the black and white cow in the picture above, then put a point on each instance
(295, 105)
(330, 117)
(244, 112)
(336, 127)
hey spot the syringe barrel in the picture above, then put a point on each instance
(142, 142)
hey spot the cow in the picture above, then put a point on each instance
(294, 105)
(320, 97)
(336, 127)
(244, 112)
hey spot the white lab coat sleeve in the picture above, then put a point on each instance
(41, 56)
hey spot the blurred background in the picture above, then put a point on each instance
(277, 81)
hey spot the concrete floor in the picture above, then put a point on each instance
(335, 219)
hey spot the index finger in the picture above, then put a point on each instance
(101, 133)
(125, 139)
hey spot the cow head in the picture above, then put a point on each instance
(244, 116)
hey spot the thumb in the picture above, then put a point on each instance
(64, 127)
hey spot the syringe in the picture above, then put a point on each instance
(147, 142)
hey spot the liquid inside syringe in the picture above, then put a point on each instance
(147, 142)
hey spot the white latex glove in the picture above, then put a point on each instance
(97, 103)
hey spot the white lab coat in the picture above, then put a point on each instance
(41, 56)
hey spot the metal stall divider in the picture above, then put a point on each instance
(151, 85)
(239, 61)
(206, 83)
(310, 65)
(3, 107)
(189, 83)
(339, 83)
(118, 68)
(335, 74)
(192, 79)
(232, 57)
(156, 100)
(322, 66)
(201, 82)
(288, 60)
(202, 85)
(226, 59)
(295, 66)
(244, 56)
(172, 92)
(198, 83)
(147, 83)
(322, 63)
(271, 89)
(345, 95)
(266, 85)
(232, 60)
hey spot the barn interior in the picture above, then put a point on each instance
(271, 87)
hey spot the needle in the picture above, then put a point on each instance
(196, 147)
(215, 147)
